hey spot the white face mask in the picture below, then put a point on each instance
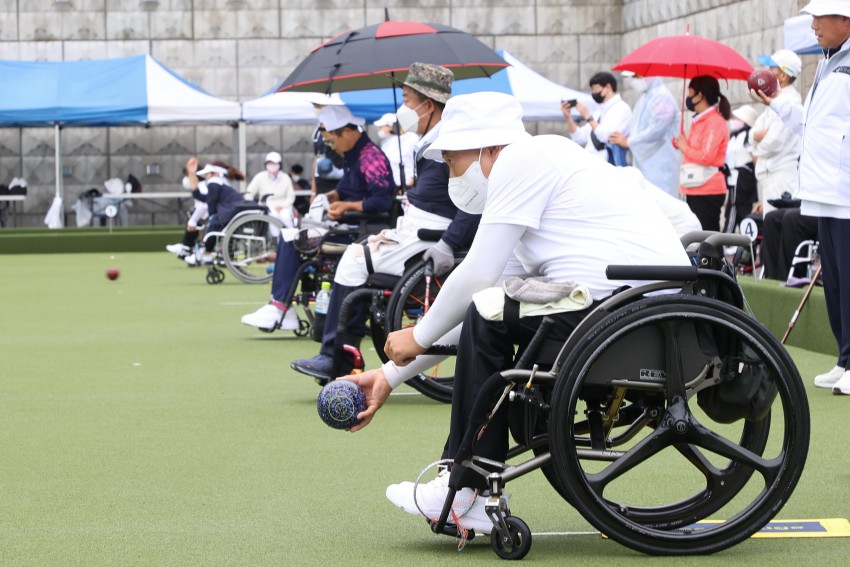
(638, 84)
(408, 118)
(468, 192)
(317, 110)
(273, 168)
(383, 134)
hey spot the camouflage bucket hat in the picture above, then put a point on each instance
(433, 81)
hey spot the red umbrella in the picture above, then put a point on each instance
(686, 56)
(370, 57)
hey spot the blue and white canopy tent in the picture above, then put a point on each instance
(127, 91)
(540, 98)
(799, 36)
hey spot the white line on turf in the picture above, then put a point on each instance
(230, 303)
(535, 534)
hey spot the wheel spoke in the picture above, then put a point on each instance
(650, 445)
(707, 439)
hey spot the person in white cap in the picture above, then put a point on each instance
(222, 199)
(366, 186)
(823, 122)
(775, 146)
(561, 216)
(326, 170)
(398, 147)
(274, 188)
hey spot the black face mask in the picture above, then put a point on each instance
(689, 103)
(598, 98)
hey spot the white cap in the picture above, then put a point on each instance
(827, 8)
(746, 114)
(478, 120)
(335, 117)
(210, 168)
(784, 59)
(323, 99)
(274, 157)
(387, 119)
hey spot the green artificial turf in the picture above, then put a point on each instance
(142, 424)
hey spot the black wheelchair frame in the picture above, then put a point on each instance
(617, 408)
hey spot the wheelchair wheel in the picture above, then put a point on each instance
(407, 305)
(248, 247)
(214, 276)
(642, 453)
(518, 545)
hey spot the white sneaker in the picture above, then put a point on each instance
(828, 379)
(267, 318)
(467, 506)
(290, 320)
(192, 261)
(180, 249)
(842, 387)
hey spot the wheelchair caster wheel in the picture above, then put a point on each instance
(214, 276)
(517, 544)
(303, 328)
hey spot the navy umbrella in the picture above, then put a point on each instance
(380, 56)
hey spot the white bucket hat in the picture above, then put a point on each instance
(478, 120)
(746, 114)
(335, 117)
(827, 8)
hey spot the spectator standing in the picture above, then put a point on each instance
(775, 146)
(655, 120)
(613, 116)
(273, 187)
(704, 151)
(823, 123)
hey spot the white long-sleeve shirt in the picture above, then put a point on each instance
(780, 147)
(613, 116)
(824, 124)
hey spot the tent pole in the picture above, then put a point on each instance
(60, 190)
(242, 157)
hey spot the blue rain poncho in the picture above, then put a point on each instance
(655, 122)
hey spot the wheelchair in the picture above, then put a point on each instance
(393, 303)
(671, 419)
(245, 246)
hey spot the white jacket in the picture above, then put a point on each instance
(780, 147)
(824, 124)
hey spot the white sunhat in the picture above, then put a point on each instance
(827, 8)
(478, 120)
(273, 157)
(210, 168)
(784, 59)
(746, 114)
(335, 117)
(387, 119)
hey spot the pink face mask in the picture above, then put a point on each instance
(273, 168)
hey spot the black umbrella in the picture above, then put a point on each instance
(380, 56)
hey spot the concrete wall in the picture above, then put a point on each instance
(239, 49)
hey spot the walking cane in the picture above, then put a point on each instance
(802, 304)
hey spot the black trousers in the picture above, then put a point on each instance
(834, 235)
(707, 209)
(784, 230)
(486, 348)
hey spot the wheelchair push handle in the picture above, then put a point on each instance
(656, 273)
(429, 234)
(715, 238)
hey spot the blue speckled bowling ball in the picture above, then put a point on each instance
(339, 403)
